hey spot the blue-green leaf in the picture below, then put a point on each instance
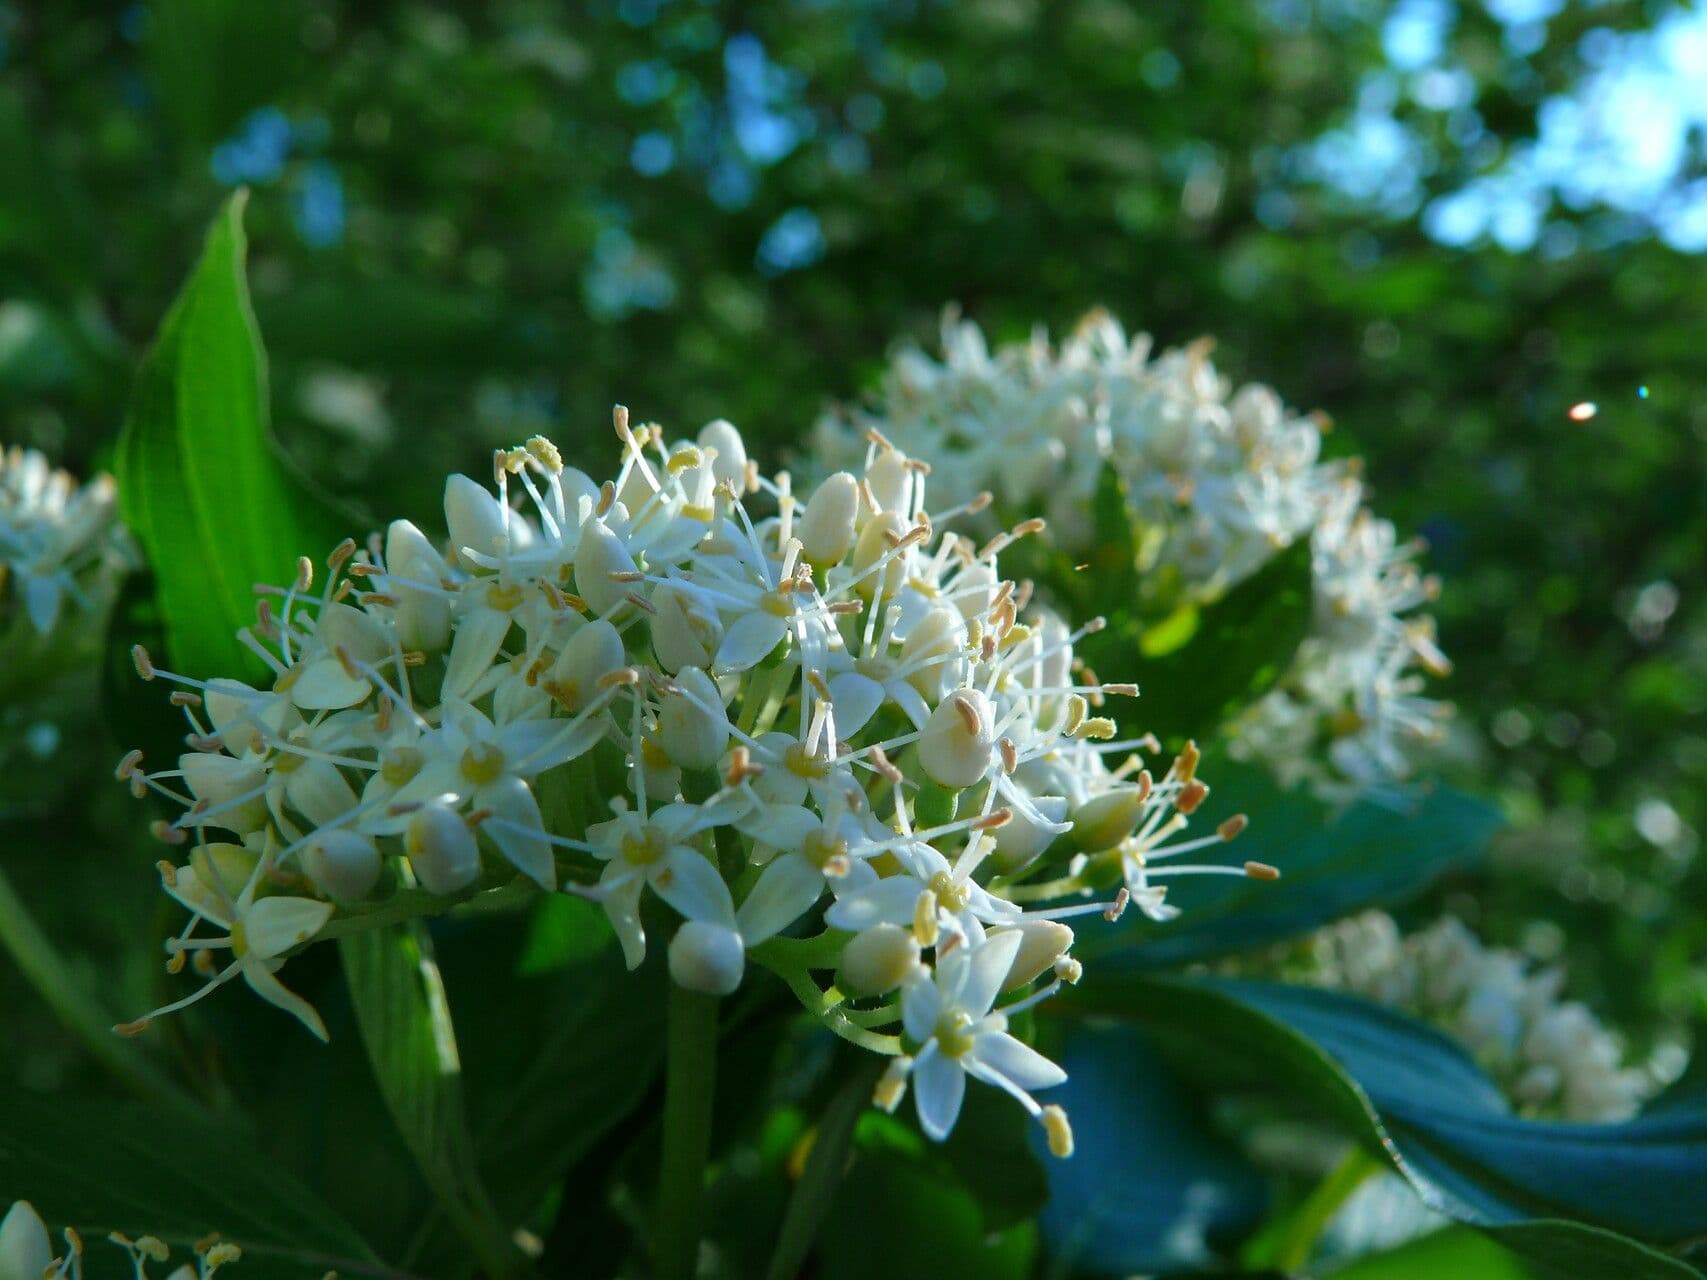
(1411, 1094)
(1148, 1184)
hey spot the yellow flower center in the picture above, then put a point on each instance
(821, 847)
(954, 1034)
(951, 894)
(804, 763)
(482, 763)
(400, 764)
(239, 940)
(643, 849)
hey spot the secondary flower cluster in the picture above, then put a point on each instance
(725, 712)
(26, 1251)
(60, 544)
(1552, 1056)
(1217, 481)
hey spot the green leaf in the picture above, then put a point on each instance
(1331, 863)
(1193, 678)
(921, 1225)
(1452, 1253)
(405, 1023)
(555, 1052)
(200, 481)
(104, 1167)
(1412, 1096)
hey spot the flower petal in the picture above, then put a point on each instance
(987, 969)
(478, 637)
(274, 925)
(786, 890)
(888, 901)
(270, 989)
(749, 640)
(689, 883)
(1016, 1061)
(856, 699)
(939, 1085)
(518, 831)
(921, 1008)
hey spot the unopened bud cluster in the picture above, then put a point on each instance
(1217, 482)
(762, 723)
(1552, 1056)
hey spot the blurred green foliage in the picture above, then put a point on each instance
(471, 222)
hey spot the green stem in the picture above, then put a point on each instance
(690, 1080)
(78, 1011)
(1290, 1248)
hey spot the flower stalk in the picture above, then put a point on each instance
(690, 1085)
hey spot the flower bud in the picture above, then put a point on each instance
(442, 849)
(891, 482)
(343, 864)
(1021, 840)
(1104, 821)
(707, 957)
(222, 781)
(474, 517)
(600, 554)
(959, 739)
(730, 464)
(877, 960)
(684, 633)
(975, 589)
(423, 617)
(932, 650)
(1042, 943)
(693, 728)
(592, 653)
(826, 527)
(872, 546)
(25, 1247)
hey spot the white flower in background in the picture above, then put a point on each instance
(61, 545)
(1551, 1055)
(721, 710)
(1218, 481)
(26, 1251)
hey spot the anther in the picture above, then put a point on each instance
(1230, 829)
(1261, 871)
(144, 664)
(1118, 907)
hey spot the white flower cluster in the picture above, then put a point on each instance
(1552, 1056)
(26, 1251)
(1217, 480)
(824, 713)
(60, 544)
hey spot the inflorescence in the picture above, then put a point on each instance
(1217, 481)
(61, 545)
(821, 732)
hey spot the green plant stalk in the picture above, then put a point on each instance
(690, 1081)
(1288, 1245)
(78, 1011)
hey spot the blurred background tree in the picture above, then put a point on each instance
(1469, 232)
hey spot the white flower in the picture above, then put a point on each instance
(61, 546)
(1216, 480)
(221, 885)
(950, 1017)
(781, 716)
